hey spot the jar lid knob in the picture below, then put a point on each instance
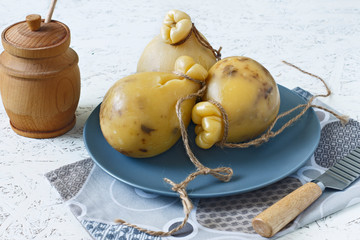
(33, 21)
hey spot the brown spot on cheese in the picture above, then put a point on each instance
(230, 70)
(143, 140)
(264, 93)
(147, 129)
(141, 102)
(255, 75)
(267, 91)
(250, 74)
(143, 150)
(175, 130)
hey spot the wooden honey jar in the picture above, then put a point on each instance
(39, 78)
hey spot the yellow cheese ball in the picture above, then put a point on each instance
(249, 95)
(137, 115)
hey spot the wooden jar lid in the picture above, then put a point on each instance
(26, 39)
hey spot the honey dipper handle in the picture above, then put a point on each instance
(277, 216)
(51, 10)
(33, 21)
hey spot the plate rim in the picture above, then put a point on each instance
(170, 193)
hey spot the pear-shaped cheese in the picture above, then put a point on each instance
(137, 115)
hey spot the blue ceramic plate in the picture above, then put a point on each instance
(254, 167)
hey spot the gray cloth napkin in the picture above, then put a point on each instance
(96, 199)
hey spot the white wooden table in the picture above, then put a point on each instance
(322, 37)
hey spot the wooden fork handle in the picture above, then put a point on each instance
(277, 216)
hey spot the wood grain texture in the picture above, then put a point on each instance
(277, 216)
(41, 93)
(33, 21)
(50, 40)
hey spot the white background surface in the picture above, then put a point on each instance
(322, 37)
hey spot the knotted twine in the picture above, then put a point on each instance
(269, 133)
(222, 173)
(202, 41)
(225, 173)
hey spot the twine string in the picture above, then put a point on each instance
(269, 133)
(224, 173)
(205, 43)
(202, 41)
